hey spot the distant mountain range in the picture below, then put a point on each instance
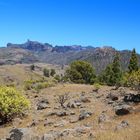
(33, 51)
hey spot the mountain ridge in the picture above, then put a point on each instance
(33, 51)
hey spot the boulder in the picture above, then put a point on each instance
(113, 97)
(43, 104)
(22, 134)
(62, 113)
(123, 109)
(80, 130)
(74, 119)
(84, 99)
(132, 98)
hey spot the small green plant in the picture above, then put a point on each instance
(57, 77)
(38, 84)
(52, 72)
(28, 84)
(132, 80)
(46, 72)
(12, 103)
(97, 86)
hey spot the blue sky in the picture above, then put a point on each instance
(68, 22)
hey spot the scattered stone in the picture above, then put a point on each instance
(99, 96)
(123, 124)
(72, 113)
(43, 104)
(78, 103)
(66, 132)
(62, 113)
(84, 99)
(21, 134)
(51, 113)
(102, 118)
(60, 124)
(48, 123)
(110, 102)
(36, 96)
(84, 114)
(123, 109)
(52, 135)
(74, 119)
(34, 123)
(113, 97)
(81, 130)
(72, 104)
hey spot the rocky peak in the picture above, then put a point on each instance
(32, 46)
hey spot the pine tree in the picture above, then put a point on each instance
(117, 72)
(112, 75)
(133, 64)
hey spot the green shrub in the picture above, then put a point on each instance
(52, 72)
(81, 72)
(12, 103)
(46, 72)
(28, 84)
(38, 84)
(97, 86)
(132, 80)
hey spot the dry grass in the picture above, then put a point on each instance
(103, 131)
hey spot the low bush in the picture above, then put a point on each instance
(132, 80)
(38, 84)
(12, 103)
(97, 86)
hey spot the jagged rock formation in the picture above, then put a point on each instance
(33, 51)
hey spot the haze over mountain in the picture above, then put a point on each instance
(33, 51)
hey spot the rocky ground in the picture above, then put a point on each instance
(86, 114)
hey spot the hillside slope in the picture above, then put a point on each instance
(33, 51)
